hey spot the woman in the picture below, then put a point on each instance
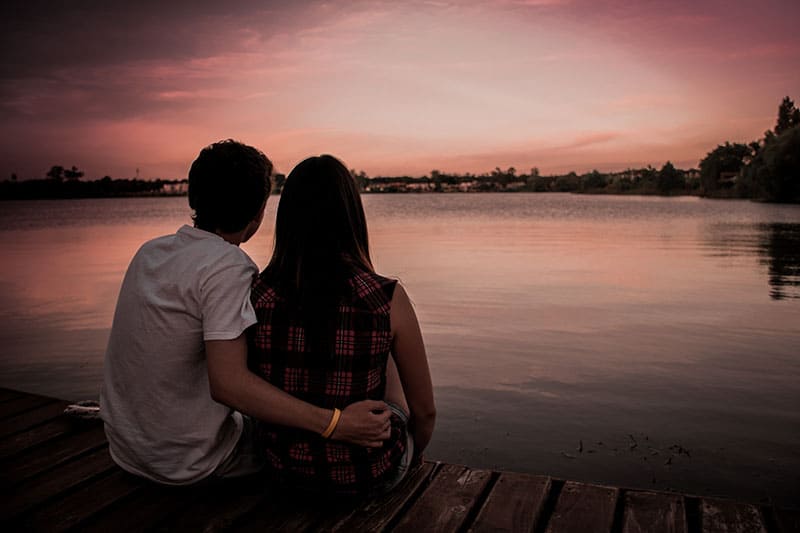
(331, 331)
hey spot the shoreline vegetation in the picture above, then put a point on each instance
(767, 169)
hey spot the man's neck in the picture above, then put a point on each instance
(235, 238)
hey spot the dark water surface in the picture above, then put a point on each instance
(644, 342)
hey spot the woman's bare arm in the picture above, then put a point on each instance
(408, 351)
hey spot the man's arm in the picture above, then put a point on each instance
(363, 423)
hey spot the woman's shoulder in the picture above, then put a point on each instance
(263, 291)
(372, 289)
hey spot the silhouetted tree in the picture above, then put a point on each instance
(648, 179)
(774, 173)
(669, 179)
(361, 178)
(436, 178)
(534, 182)
(725, 159)
(788, 116)
(593, 180)
(570, 182)
(56, 172)
(278, 181)
(73, 173)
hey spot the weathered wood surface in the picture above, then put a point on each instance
(19, 405)
(377, 515)
(722, 516)
(7, 394)
(56, 475)
(31, 418)
(450, 497)
(33, 492)
(33, 461)
(652, 511)
(583, 508)
(516, 503)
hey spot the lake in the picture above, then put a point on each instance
(637, 341)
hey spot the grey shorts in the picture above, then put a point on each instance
(245, 458)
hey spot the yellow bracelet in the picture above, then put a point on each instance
(332, 426)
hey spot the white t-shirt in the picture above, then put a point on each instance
(179, 291)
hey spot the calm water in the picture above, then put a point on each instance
(645, 342)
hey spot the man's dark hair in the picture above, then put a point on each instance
(228, 184)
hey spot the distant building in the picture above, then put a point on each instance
(175, 188)
(692, 174)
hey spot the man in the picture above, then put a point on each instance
(177, 394)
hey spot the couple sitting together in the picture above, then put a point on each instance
(313, 371)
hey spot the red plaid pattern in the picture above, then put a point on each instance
(279, 353)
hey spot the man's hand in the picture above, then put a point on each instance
(364, 423)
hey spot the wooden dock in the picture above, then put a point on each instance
(57, 475)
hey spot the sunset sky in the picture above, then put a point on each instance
(391, 87)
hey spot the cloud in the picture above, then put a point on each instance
(39, 36)
(393, 85)
(533, 3)
(589, 139)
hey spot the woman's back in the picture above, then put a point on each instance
(281, 353)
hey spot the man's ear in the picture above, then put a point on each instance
(253, 225)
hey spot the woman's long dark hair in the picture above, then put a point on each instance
(320, 238)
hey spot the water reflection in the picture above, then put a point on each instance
(780, 252)
(594, 317)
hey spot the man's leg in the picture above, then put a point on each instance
(247, 457)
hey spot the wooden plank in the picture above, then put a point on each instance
(22, 404)
(290, 513)
(8, 394)
(32, 418)
(722, 516)
(284, 513)
(61, 477)
(447, 501)
(143, 510)
(788, 520)
(51, 454)
(651, 511)
(583, 508)
(37, 490)
(36, 435)
(218, 506)
(515, 503)
(375, 515)
(67, 512)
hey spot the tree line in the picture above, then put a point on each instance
(61, 182)
(668, 180)
(765, 169)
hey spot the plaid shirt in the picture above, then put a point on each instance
(278, 353)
